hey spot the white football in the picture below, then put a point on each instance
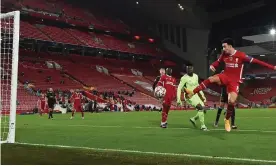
(159, 91)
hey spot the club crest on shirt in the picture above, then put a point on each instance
(237, 60)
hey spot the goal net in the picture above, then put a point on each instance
(8, 74)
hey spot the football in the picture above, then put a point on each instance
(159, 91)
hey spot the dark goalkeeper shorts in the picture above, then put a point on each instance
(51, 105)
(224, 95)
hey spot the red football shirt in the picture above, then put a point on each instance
(77, 98)
(41, 103)
(168, 82)
(234, 64)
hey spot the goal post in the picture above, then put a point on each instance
(10, 24)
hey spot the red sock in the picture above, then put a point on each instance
(165, 112)
(202, 86)
(82, 114)
(230, 109)
(73, 112)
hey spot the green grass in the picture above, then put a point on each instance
(139, 132)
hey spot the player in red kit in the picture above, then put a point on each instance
(168, 82)
(231, 77)
(41, 104)
(76, 101)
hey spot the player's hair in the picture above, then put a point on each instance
(162, 71)
(229, 41)
(169, 71)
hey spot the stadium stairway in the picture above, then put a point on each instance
(142, 96)
(74, 78)
(134, 82)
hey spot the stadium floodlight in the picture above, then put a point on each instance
(137, 2)
(262, 55)
(272, 31)
(180, 6)
(8, 74)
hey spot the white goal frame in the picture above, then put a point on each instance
(14, 75)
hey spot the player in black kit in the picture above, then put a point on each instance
(51, 101)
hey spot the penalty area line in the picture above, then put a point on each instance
(152, 153)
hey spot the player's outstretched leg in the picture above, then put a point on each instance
(218, 116)
(203, 85)
(233, 119)
(165, 112)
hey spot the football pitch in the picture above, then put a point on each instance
(136, 138)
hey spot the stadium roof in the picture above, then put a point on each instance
(195, 13)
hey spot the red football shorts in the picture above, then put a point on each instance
(42, 106)
(168, 100)
(231, 85)
(77, 108)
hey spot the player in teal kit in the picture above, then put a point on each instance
(190, 81)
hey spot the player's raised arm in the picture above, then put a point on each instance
(250, 59)
(155, 82)
(215, 64)
(181, 85)
(162, 72)
(161, 81)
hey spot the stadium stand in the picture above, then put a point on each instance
(25, 100)
(30, 31)
(260, 90)
(72, 71)
(59, 35)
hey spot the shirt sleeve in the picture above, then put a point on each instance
(180, 87)
(155, 82)
(217, 62)
(161, 81)
(247, 58)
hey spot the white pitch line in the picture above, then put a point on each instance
(173, 128)
(152, 153)
(169, 128)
